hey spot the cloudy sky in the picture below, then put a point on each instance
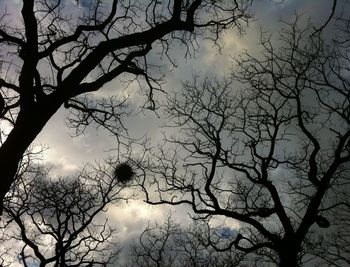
(67, 154)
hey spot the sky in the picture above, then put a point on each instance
(68, 154)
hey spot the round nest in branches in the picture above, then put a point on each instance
(123, 172)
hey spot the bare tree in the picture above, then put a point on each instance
(59, 221)
(268, 147)
(155, 245)
(169, 244)
(55, 54)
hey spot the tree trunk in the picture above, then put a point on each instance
(28, 125)
(288, 254)
(289, 261)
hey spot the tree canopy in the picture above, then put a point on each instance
(268, 146)
(264, 146)
(55, 54)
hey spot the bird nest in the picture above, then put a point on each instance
(123, 172)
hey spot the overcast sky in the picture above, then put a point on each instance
(67, 154)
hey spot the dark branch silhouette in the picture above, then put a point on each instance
(58, 220)
(170, 245)
(268, 147)
(54, 53)
(331, 16)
